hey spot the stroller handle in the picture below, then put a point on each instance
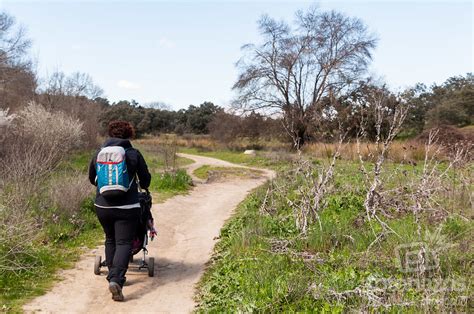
(140, 189)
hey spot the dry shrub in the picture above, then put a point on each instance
(5, 118)
(207, 143)
(89, 115)
(57, 132)
(201, 142)
(400, 151)
(5, 123)
(14, 248)
(68, 192)
(450, 138)
(168, 152)
(166, 148)
(447, 135)
(37, 141)
(314, 184)
(34, 143)
(280, 156)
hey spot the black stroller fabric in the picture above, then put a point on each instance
(145, 216)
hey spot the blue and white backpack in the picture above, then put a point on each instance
(112, 176)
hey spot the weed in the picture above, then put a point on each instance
(178, 181)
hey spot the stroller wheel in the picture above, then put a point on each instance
(151, 267)
(97, 264)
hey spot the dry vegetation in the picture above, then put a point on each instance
(207, 143)
(38, 205)
(402, 151)
(324, 236)
(362, 226)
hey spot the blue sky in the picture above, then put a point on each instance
(184, 52)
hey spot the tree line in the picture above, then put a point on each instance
(301, 83)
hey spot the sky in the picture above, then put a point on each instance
(184, 52)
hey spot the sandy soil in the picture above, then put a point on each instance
(187, 229)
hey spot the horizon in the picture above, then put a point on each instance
(184, 53)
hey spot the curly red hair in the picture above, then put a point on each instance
(121, 129)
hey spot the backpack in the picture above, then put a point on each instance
(111, 168)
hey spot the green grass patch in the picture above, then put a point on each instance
(182, 161)
(58, 246)
(263, 264)
(205, 171)
(170, 181)
(165, 183)
(202, 172)
(79, 161)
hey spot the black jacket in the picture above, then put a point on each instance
(136, 165)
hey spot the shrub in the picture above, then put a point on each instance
(37, 141)
(5, 122)
(5, 118)
(68, 192)
(447, 135)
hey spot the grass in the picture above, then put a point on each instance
(57, 247)
(406, 150)
(206, 142)
(79, 161)
(263, 264)
(204, 172)
(178, 181)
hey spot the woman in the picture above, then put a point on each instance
(119, 214)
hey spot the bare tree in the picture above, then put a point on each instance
(74, 94)
(295, 68)
(75, 85)
(17, 80)
(13, 43)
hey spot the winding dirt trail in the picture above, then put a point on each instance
(187, 227)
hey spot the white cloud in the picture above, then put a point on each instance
(128, 85)
(166, 43)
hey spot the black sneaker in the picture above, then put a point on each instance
(116, 291)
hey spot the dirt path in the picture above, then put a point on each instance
(187, 228)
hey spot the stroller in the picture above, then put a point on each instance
(140, 240)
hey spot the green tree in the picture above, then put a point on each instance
(198, 118)
(452, 102)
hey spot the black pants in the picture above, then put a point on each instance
(120, 227)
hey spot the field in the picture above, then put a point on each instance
(344, 261)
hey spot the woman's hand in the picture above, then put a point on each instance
(152, 233)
